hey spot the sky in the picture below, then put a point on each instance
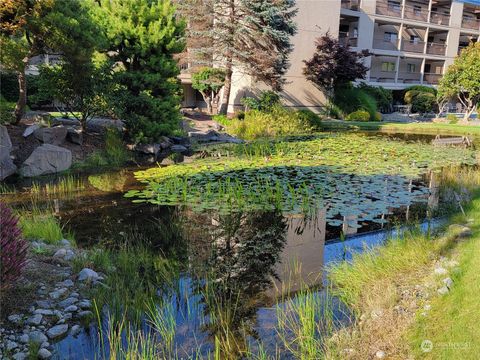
(476, 2)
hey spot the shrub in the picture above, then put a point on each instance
(13, 254)
(6, 111)
(424, 103)
(382, 96)
(9, 85)
(452, 118)
(41, 226)
(359, 115)
(351, 99)
(222, 119)
(311, 118)
(276, 122)
(378, 116)
(265, 102)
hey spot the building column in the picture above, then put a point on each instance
(397, 69)
(429, 11)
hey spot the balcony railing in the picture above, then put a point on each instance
(384, 8)
(344, 39)
(436, 48)
(412, 13)
(412, 46)
(385, 44)
(409, 77)
(432, 79)
(439, 18)
(351, 4)
(383, 76)
(469, 23)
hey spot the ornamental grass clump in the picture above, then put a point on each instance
(13, 248)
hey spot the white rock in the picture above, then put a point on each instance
(380, 354)
(24, 339)
(57, 331)
(19, 356)
(71, 308)
(35, 319)
(448, 282)
(67, 302)
(15, 318)
(45, 312)
(11, 345)
(443, 290)
(37, 337)
(87, 275)
(65, 242)
(75, 330)
(44, 354)
(60, 253)
(440, 271)
(57, 293)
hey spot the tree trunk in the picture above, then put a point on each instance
(468, 112)
(22, 92)
(227, 87)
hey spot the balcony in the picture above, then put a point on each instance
(410, 77)
(389, 8)
(412, 46)
(438, 18)
(416, 13)
(470, 23)
(431, 79)
(383, 77)
(351, 4)
(344, 39)
(436, 49)
(385, 44)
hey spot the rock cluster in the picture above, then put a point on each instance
(7, 167)
(57, 312)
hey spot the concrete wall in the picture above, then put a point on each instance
(314, 18)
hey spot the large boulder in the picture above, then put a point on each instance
(75, 135)
(212, 136)
(51, 135)
(66, 122)
(47, 159)
(100, 125)
(7, 167)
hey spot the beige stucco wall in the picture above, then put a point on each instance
(314, 18)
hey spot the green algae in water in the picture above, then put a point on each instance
(348, 174)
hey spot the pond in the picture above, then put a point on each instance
(235, 245)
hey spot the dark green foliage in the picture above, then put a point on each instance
(311, 118)
(422, 98)
(6, 111)
(266, 101)
(359, 115)
(209, 81)
(452, 119)
(143, 36)
(9, 86)
(382, 96)
(350, 99)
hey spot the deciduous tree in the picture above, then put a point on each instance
(334, 65)
(209, 81)
(462, 79)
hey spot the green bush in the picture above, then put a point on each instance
(378, 116)
(265, 102)
(9, 86)
(311, 118)
(6, 111)
(222, 119)
(351, 99)
(452, 118)
(276, 122)
(382, 96)
(359, 115)
(424, 103)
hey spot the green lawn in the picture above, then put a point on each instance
(419, 128)
(453, 322)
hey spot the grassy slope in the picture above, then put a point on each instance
(373, 281)
(453, 324)
(419, 128)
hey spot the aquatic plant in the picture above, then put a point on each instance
(349, 174)
(13, 254)
(42, 225)
(108, 182)
(67, 186)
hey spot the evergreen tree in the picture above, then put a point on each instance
(143, 37)
(251, 35)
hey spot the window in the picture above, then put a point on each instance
(390, 37)
(414, 39)
(388, 66)
(411, 68)
(394, 5)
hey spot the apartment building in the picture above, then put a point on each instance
(412, 42)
